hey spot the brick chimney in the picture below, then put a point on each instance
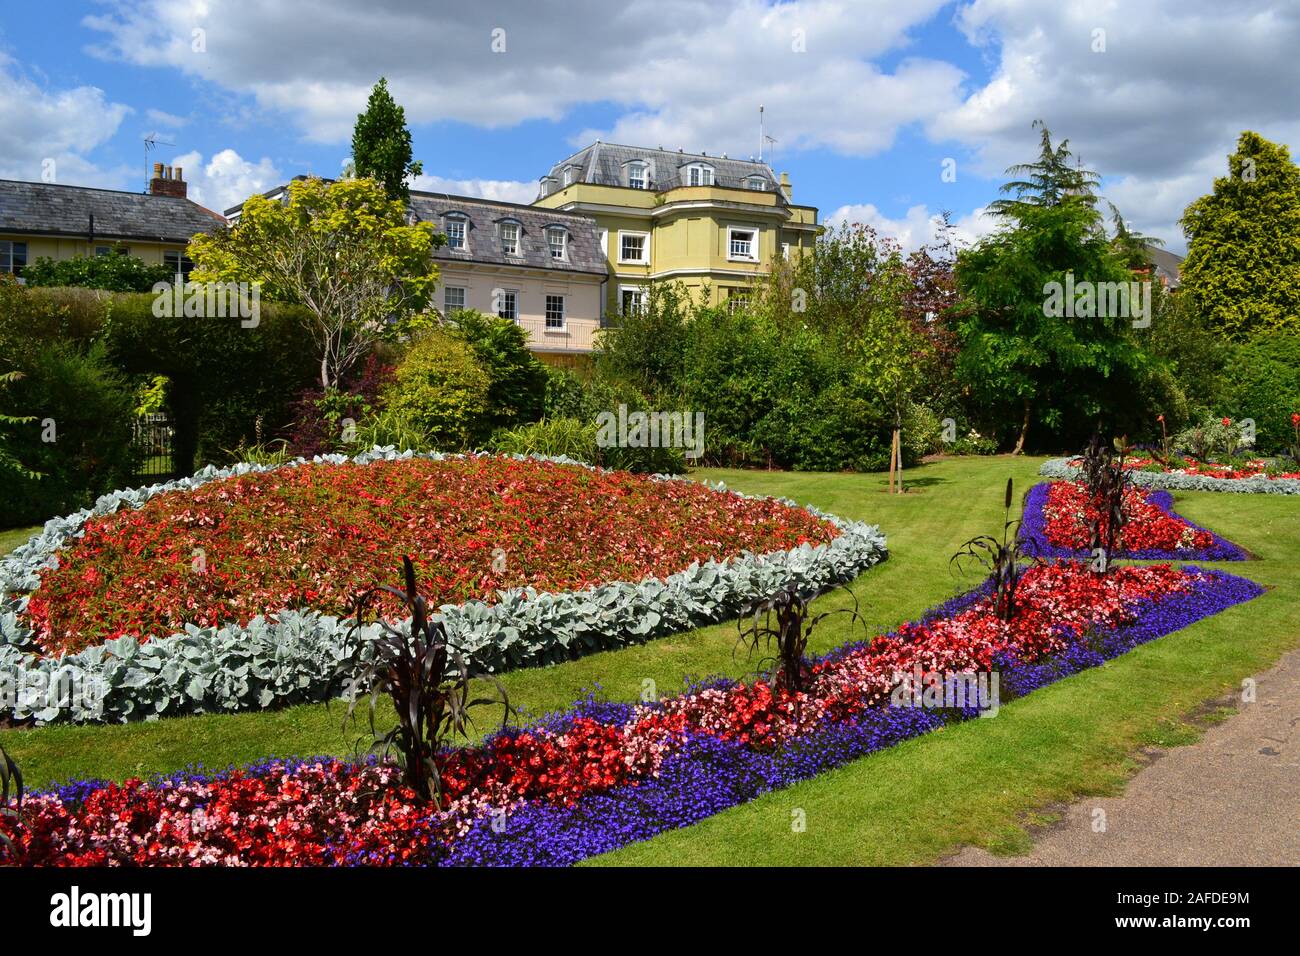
(167, 181)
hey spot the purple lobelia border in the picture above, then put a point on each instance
(1033, 532)
(711, 775)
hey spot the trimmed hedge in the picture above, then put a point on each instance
(296, 656)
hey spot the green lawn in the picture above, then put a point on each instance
(980, 782)
(13, 537)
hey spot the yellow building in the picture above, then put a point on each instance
(47, 220)
(713, 223)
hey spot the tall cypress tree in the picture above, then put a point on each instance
(381, 143)
(1242, 271)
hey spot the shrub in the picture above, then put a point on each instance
(517, 380)
(567, 396)
(1263, 383)
(972, 442)
(318, 413)
(441, 390)
(1209, 438)
(922, 433)
(87, 408)
(116, 272)
(648, 347)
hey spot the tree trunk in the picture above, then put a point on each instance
(1024, 432)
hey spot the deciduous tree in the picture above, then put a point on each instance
(344, 250)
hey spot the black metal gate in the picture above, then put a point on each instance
(152, 436)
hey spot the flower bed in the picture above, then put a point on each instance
(1202, 478)
(604, 775)
(1055, 525)
(587, 560)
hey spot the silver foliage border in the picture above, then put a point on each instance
(296, 656)
(1171, 481)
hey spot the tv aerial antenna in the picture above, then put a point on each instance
(151, 142)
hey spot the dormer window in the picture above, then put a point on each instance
(557, 239)
(756, 182)
(699, 174)
(568, 175)
(456, 228)
(548, 185)
(638, 175)
(510, 238)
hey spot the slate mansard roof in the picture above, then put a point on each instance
(53, 210)
(603, 164)
(483, 218)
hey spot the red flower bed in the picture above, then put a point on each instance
(315, 536)
(1149, 527)
(1251, 469)
(326, 811)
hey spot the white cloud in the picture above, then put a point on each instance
(1155, 111)
(687, 73)
(502, 190)
(163, 118)
(46, 134)
(227, 179)
(918, 227)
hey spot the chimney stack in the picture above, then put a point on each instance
(167, 182)
(786, 188)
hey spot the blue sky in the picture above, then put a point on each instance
(866, 98)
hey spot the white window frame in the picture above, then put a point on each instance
(518, 239)
(638, 290)
(551, 233)
(644, 169)
(702, 171)
(732, 255)
(461, 221)
(447, 307)
(568, 175)
(546, 312)
(756, 183)
(645, 247)
(511, 295)
(604, 243)
(785, 251)
(738, 299)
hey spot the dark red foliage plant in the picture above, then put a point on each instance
(1000, 558)
(428, 681)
